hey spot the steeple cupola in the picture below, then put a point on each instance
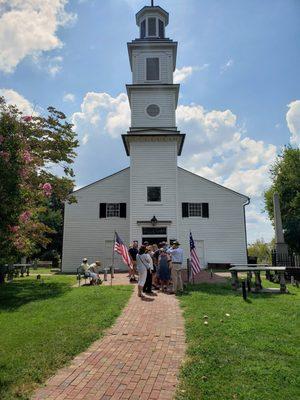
(152, 22)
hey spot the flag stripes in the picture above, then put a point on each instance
(195, 262)
(121, 249)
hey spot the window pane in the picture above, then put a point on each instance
(153, 193)
(154, 231)
(113, 210)
(161, 28)
(152, 69)
(151, 26)
(195, 209)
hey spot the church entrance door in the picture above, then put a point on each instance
(154, 240)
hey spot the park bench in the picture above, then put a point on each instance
(256, 269)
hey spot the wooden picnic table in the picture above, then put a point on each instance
(256, 269)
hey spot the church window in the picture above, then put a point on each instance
(152, 69)
(153, 193)
(153, 110)
(154, 231)
(107, 210)
(151, 26)
(112, 210)
(161, 28)
(143, 29)
(195, 210)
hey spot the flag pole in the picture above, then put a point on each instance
(112, 259)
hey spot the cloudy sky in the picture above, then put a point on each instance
(238, 65)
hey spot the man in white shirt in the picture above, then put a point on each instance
(176, 254)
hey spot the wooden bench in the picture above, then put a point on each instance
(256, 269)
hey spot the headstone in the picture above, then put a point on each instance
(281, 246)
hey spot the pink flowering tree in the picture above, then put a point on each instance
(31, 197)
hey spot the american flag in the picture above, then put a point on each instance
(121, 249)
(195, 263)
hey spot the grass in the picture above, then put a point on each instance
(45, 324)
(252, 355)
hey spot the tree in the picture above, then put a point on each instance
(261, 250)
(285, 174)
(31, 196)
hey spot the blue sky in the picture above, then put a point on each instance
(238, 65)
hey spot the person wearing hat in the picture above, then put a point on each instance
(85, 268)
(176, 254)
(95, 268)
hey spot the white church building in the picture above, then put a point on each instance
(153, 199)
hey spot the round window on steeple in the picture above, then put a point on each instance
(153, 110)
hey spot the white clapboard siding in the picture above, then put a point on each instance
(85, 234)
(164, 98)
(223, 233)
(153, 164)
(165, 65)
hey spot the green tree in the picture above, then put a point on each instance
(32, 197)
(261, 250)
(285, 174)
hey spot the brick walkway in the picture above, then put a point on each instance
(138, 358)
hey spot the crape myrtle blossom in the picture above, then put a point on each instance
(25, 216)
(27, 118)
(5, 155)
(47, 188)
(14, 229)
(27, 156)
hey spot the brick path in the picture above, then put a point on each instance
(138, 358)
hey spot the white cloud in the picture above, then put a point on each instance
(182, 74)
(103, 114)
(54, 66)
(229, 64)
(293, 121)
(14, 98)
(69, 97)
(28, 27)
(217, 148)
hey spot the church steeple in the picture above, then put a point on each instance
(153, 96)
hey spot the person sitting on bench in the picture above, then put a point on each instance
(85, 267)
(95, 268)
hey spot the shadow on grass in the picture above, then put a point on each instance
(19, 292)
(226, 290)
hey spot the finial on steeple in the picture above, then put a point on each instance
(152, 3)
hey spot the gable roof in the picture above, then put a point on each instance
(99, 180)
(217, 184)
(183, 169)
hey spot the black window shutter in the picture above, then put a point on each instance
(205, 210)
(185, 210)
(122, 210)
(102, 213)
(143, 29)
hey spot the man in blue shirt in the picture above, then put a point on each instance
(176, 254)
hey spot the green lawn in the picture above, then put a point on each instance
(254, 354)
(45, 324)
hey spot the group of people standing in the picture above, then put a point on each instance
(156, 267)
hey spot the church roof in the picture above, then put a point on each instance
(146, 9)
(217, 184)
(183, 169)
